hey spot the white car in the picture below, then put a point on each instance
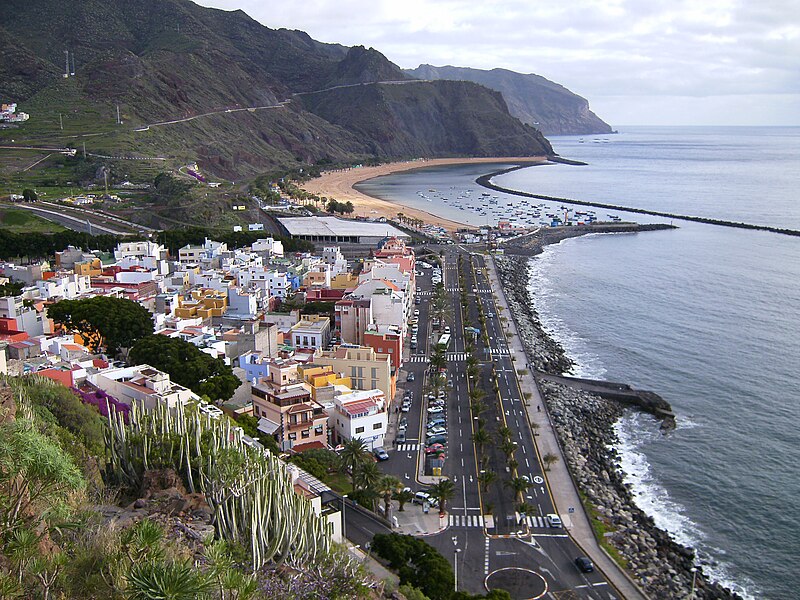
(554, 520)
(437, 431)
(434, 409)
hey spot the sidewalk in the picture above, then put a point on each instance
(414, 521)
(559, 480)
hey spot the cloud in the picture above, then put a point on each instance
(598, 48)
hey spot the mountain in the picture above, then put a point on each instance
(167, 60)
(534, 100)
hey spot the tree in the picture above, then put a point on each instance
(366, 476)
(519, 485)
(417, 563)
(508, 447)
(480, 438)
(403, 496)
(29, 195)
(387, 486)
(525, 509)
(354, 453)
(187, 365)
(103, 321)
(442, 492)
(486, 478)
(549, 460)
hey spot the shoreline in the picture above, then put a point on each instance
(586, 428)
(340, 184)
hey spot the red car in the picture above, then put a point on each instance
(434, 448)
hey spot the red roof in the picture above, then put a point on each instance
(358, 408)
(308, 446)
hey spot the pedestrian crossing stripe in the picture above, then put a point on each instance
(417, 358)
(537, 522)
(456, 356)
(465, 520)
(407, 447)
(501, 351)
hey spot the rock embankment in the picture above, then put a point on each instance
(585, 426)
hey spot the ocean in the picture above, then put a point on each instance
(706, 316)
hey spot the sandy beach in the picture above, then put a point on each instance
(340, 186)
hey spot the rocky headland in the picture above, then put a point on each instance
(584, 423)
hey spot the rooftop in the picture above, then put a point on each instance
(332, 226)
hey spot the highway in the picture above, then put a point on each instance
(524, 555)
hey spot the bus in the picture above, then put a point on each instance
(444, 342)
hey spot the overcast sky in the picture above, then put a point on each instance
(640, 62)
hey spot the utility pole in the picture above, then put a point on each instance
(84, 149)
(72, 70)
(118, 121)
(105, 178)
(66, 70)
(61, 121)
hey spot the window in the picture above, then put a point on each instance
(306, 434)
(359, 430)
(377, 426)
(374, 372)
(374, 383)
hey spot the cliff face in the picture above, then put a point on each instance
(437, 118)
(534, 100)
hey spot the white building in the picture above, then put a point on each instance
(359, 414)
(67, 286)
(311, 331)
(241, 304)
(269, 245)
(143, 384)
(333, 257)
(140, 250)
(208, 253)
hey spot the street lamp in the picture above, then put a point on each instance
(455, 563)
(694, 580)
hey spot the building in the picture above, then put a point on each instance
(359, 415)
(209, 253)
(143, 384)
(140, 251)
(271, 246)
(386, 339)
(311, 332)
(352, 317)
(331, 230)
(286, 410)
(204, 303)
(366, 368)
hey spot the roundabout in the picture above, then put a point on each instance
(520, 583)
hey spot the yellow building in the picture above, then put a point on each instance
(344, 281)
(92, 268)
(366, 369)
(205, 303)
(322, 380)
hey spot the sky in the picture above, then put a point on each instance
(638, 62)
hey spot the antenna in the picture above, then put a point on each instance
(66, 71)
(105, 178)
(84, 149)
(72, 71)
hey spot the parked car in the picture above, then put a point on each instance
(434, 448)
(380, 454)
(433, 422)
(439, 430)
(400, 438)
(401, 428)
(416, 312)
(413, 345)
(410, 377)
(584, 564)
(433, 410)
(554, 520)
(437, 439)
(403, 421)
(421, 498)
(447, 329)
(405, 408)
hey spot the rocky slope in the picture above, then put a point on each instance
(161, 60)
(534, 100)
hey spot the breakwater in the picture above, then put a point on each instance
(485, 181)
(585, 425)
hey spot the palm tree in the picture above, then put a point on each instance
(354, 453)
(505, 433)
(486, 478)
(403, 496)
(366, 476)
(442, 492)
(549, 459)
(438, 360)
(480, 438)
(508, 447)
(525, 509)
(477, 407)
(387, 486)
(520, 485)
(535, 427)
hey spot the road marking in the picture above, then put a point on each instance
(523, 450)
(527, 464)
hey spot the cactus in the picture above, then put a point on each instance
(253, 501)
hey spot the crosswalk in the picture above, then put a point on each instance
(500, 351)
(456, 356)
(537, 522)
(407, 447)
(417, 358)
(465, 520)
